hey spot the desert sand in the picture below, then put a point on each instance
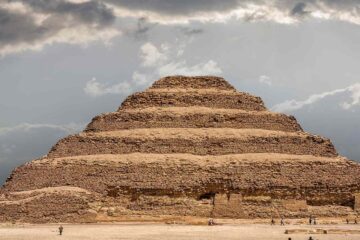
(175, 231)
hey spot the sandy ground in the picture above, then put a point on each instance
(169, 231)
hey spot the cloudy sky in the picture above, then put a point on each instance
(64, 61)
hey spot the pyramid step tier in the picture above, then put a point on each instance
(237, 186)
(201, 97)
(192, 117)
(276, 175)
(202, 82)
(198, 141)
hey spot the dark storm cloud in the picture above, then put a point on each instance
(142, 28)
(256, 10)
(187, 7)
(341, 4)
(25, 27)
(18, 27)
(91, 12)
(299, 9)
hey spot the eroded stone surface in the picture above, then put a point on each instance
(182, 82)
(204, 141)
(192, 117)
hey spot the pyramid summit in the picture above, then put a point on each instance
(186, 146)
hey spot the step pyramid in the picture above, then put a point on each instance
(186, 146)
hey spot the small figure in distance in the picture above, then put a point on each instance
(211, 222)
(347, 221)
(310, 238)
(315, 221)
(355, 221)
(61, 230)
(310, 220)
(282, 223)
(289, 238)
(272, 221)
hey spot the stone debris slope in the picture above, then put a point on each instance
(187, 146)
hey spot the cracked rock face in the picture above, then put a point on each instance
(187, 146)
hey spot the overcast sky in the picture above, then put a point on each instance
(64, 61)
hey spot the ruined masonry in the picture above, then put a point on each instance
(187, 146)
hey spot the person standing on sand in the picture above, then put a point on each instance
(272, 221)
(282, 223)
(310, 220)
(61, 230)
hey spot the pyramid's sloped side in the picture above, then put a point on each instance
(192, 117)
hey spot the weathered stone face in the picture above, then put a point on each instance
(187, 146)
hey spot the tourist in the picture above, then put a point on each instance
(211, 222)
(314, 221)
(272, 221)
(347, 221)
(61, 230)
(355, 221)
(310, 238)
(282, 223)
(310, 220)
